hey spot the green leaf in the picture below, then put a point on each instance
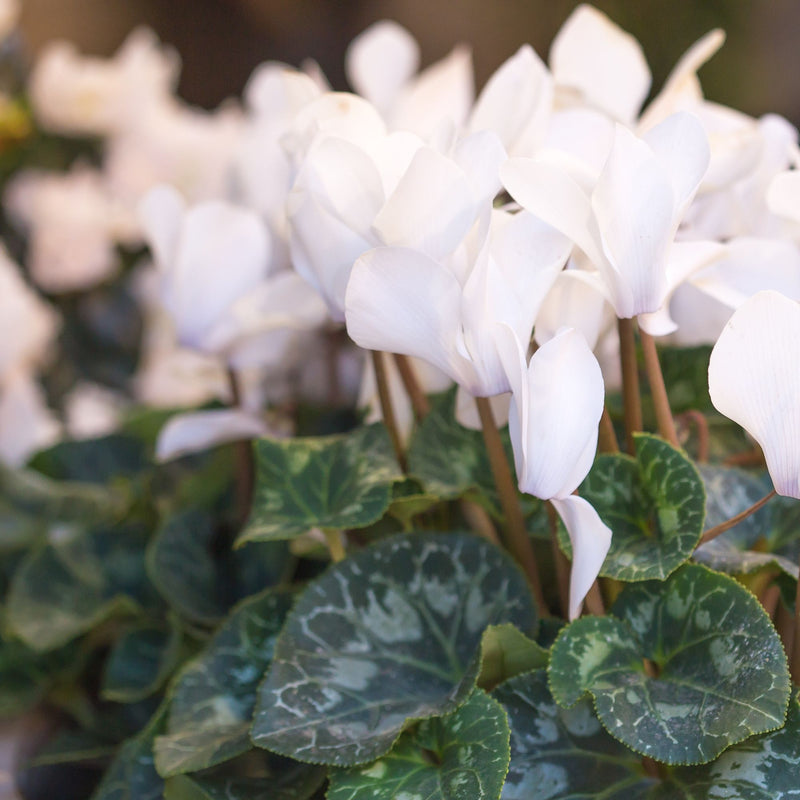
(461, 756)
(68, 747)
(387, 636)
(762, 768)
(449, 459)
(201, 577)
(75, 581)
(341, 481)
(408, 501)
(268, 777)
(132, 774)
(563, 753)
(722, 673)
(139, 663)
(654, 504)
(506, 652)
(749, 545)
(212, 699)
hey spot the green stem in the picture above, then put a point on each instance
(333, 538)
(658, 390)
(631, 397)
(561, 562)
(712, 533)
(387, 409)
(517, 540)
(245, 466)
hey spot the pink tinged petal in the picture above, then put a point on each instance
(634, 205)
(431, 209)
(516, 102)
(402, 301)
(380, 61)
(606, 65)
(680, 144)
(196, 431)
(441, 94)
(682, 83)
(753, 378)
(26, 423)
(160, 213)
(554, 197)
(559, 403)
(591, 540)
(223, 253)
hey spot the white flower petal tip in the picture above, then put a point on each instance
(199, 430)
(591, 540)
(753, 379)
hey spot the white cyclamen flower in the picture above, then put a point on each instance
(553, 422)
(753, 379)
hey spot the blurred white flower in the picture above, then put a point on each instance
(9, 16)
(92, 410)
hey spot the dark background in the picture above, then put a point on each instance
(220, 41)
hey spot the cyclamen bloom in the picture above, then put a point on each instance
(553, 421)
(626, 225)
(753, 378)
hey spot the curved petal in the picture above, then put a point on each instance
(160, 213)
(441, 94)
(516, 102)
(783, 195)
(402, 301)
(753, 379)
(634, 206)
(554, 197)
(591, 539)
(554, 414)
(380, 61)
(602, 62)
(195, 431)
(223, 253)
(431, 209)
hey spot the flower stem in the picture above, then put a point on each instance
(333, 539)
(712, 533)
(387, 410)
(658, 391)
(561, 562)
(594, 600)
(607, 440)
(701, 428)
(245, 467)
(419, 402)
(631, 397)
(517, 539)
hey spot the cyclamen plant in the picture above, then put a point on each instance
(319, 491)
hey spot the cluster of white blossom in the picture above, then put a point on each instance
(433, 222)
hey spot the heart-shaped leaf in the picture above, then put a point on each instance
(654, 504)
(212, 699)
(461, 756)
(340, 481)
(721, 669)
(563, 753)
(389, 635)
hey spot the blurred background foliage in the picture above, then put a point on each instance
(221, 41)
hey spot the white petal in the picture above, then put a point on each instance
(591, 539)
(753, 379)
(783, 195)
(26, 423)
(401, 301)
(601, 61)
(554, 414)
(634, 206)
(441, 94)
(431, 209)
(554, 197)
(380, 61)
(480, 156)
(195, 431)
(160, 212)
(680, 144)
(516, 102)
